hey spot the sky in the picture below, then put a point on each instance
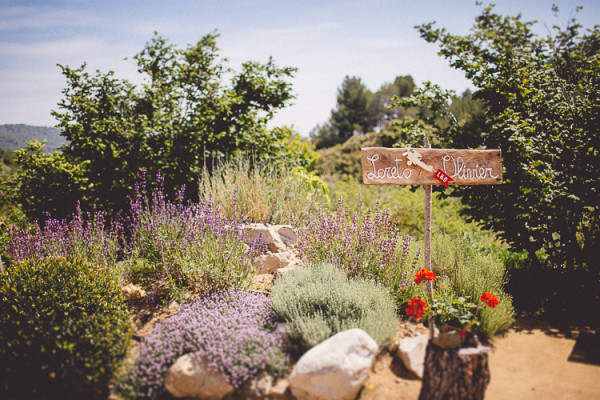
(326, 40)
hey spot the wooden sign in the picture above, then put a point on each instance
(386, 166)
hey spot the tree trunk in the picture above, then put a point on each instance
(455, 374)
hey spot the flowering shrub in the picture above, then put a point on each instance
(465, 272)
(232, 331)
(85, 235)
(187, 245)
(365, 244)
(416, 308)
(457, 313)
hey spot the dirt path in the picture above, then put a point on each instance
(530, 363)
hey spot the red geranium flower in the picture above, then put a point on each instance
(416, 308)
(424, 275)
(489, 299)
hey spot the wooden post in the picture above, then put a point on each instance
(455, 374)
(428, 205)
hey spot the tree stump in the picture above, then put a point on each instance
(455, 374)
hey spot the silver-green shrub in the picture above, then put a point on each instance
(318, 301)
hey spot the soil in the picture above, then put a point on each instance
(531, 362)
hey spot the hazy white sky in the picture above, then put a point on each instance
(326, 40)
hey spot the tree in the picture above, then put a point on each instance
(47, 182)
(351, 116)
(183, 118)
(403, 86)
(542, 109)
(359, 111)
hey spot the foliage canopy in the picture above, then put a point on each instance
(542, 108)
(190, 110)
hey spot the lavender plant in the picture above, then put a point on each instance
(191, 246)
(233, 332)
(365, 244)
(86, 235)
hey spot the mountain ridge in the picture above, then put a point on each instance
(14, 136)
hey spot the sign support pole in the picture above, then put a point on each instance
(428, 205)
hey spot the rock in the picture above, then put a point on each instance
(271, 262)
(448, 340)
(411, 351)
(279, 389)
(277, 238)
(334, 369)
(287, 235)
(258, 387)
(133, 292)
(189, 377)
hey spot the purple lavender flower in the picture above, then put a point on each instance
(233, 332)
(87, 235)
(365, 243)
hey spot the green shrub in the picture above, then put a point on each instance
(318, 301)
(65, 328)
(469, 273)
(259, 192)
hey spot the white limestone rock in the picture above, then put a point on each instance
(411, 351)
(334, 369)
(189, 377)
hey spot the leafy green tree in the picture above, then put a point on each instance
(47, 182)
(542, 109)
(190, 111)
(350, 117)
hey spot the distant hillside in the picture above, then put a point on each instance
(14, 137)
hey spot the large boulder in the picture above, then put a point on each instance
(334, 369)
(189, 377)
(411, 351)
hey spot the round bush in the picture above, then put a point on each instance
(65, 328)
(318, 301)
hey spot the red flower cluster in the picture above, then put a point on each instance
(424, 275)
(416, 308)
(489, 299)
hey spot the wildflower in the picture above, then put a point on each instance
(416, 308)
(424, 275)
(489, 299)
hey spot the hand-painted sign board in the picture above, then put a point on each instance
(390, 166)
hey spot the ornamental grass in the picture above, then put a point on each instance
(259, 192)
